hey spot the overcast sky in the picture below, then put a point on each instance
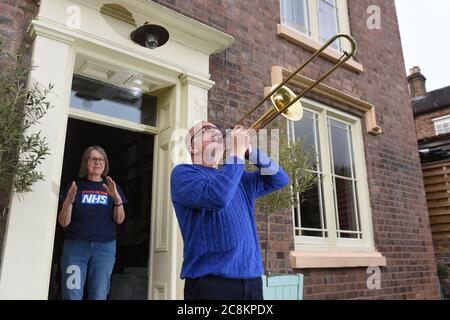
(425, 32)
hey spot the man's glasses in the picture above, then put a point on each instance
(204, 129)
(99, 160)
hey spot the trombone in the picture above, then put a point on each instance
(284, 101)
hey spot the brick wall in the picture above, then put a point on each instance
(400, 219)
(424, 123)
(15, 16)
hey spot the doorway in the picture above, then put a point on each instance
(131, 163)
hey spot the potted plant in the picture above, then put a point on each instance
(295, 160)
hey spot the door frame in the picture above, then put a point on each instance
(166, 105)
(104, 120)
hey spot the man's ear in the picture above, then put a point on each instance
(193, 148)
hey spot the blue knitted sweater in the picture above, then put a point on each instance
(215, 212)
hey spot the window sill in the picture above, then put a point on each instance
(303, 41)
(342, 259)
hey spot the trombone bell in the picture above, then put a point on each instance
(281, 98)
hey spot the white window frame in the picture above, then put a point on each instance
(439, 121)
(307, 18)
(365, 216)
(313, 19)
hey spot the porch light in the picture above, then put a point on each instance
(151, 36)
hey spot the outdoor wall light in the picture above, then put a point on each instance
(151, 36)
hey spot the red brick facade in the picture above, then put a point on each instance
(399, 213)
(424, 122)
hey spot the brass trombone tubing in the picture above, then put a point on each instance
(340, 61)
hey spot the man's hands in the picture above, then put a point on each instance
(112, 190)
(240, 142)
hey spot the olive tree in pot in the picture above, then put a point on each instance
(297, 161)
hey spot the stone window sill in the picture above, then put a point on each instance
(303, 41)
(346, 259)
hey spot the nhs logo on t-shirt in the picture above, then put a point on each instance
(94, 197)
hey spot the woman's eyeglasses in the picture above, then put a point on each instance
(99, 160)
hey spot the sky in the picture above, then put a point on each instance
(425, 33)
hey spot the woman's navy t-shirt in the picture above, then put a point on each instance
(92, 211)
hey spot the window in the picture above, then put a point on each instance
(318, 19)
(328, 21)
(309, 218)
(103, 98)
(442, 125)
(344, 180)
(294, 13)
(336, 211)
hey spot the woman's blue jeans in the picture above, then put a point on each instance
(87, 261)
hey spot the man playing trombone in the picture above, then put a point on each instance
(215, 212)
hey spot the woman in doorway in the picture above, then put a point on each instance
(92, 206)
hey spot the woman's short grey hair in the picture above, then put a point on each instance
(83, 166)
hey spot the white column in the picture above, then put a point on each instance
(166, 254)
(194, 99)
(28, 249)
(194, 108)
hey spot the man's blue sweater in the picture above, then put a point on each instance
(215, 211)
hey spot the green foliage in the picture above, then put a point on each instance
(21, 150)
(297, 161)
(442, 270)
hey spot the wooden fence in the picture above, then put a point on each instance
(436, 177)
